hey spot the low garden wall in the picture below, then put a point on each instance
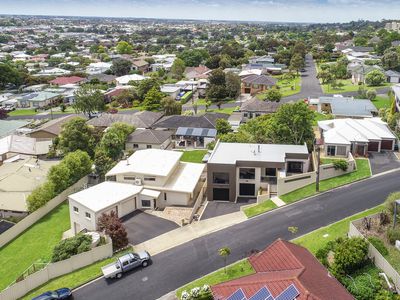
(328, 170)
(32, 218)
(377, 258)
(288, 184)
(56, 269)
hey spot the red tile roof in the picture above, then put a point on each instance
(67, 80)
(280, 265)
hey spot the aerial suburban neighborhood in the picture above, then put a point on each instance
(189, 150)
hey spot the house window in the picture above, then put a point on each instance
(341, 150)
(270, 172)
(76, 209)
(331, 151)
(149, 146)
(88, 216)
(245, 115)
(247, 173)
(129, 178)
(220, 178)
(135, 146)
(146, 203)
(295, 167)
(149, 179)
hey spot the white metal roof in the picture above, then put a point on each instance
(185, 177)
(105, 194)
(154, 162)
(150, 193)
(229, 153)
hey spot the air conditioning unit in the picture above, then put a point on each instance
(137, 182)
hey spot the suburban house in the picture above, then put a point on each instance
(37, 100)
(171, 90)
(396, 92)
(236, 170)
(124, 80)
(283, 271)
(67, 80)
(98, 68)
(148, 139)
(208, 120)
(102, 78)
(196, 73)
(140, 65)
(344, 107)
(10, 127)
(190, 137)
(358, 136)
(254, 108)
(141, 119)
(359, 73)
(254, 84)
(50, 129)
(14, 145)
(392, 76)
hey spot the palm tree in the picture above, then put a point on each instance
(224, 253)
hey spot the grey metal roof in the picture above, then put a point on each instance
(256, 105)
(260, 79)
(8, 127)
(207, 120)
(196, 132)
(346, 106)
(150, 136)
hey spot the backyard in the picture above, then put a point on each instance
(34, 245)
(194, 156)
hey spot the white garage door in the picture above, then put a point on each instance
(127, 207)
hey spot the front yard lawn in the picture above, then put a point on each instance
(236, 270)
(76, 278)
(286, 87)
(381, 102)
(259, 208)
(22, 112)
(349, 87)
(202, 102)
(194, 156)
(33, 245)
(223, 110)
(363, 171)
(317, 239)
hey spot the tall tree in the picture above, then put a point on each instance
(9, 75)
(177, 69)
(296, 62)
(124, 47)
(144, 86)
(112, 226)
(216, 90)
(171, 106)
(233, 84)
(76, 135)
(88, 100)
(153, 98)
(121, 67)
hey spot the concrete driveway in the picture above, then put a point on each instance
(219, 208)
(383, 161)
(142, 226)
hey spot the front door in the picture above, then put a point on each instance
(247, 189)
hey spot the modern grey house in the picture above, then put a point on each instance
(242, 170)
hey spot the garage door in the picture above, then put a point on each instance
(221, 194)
(128, 206)
(387, 144)
(246, 189)
(373, 146)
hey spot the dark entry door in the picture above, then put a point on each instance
(247, 189)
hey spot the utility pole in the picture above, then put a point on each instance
(318, 165)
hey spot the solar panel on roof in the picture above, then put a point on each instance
(238, 295)
(262, 294)
(204, 132)
(289, 294)
(189, 131)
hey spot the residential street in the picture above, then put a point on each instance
(182, 264)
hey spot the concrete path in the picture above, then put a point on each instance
(190, 232)
(278, 201)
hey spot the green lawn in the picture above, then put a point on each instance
(226, 110)
(194, 156)
(363, 171)
(325, 161)
(33, 245)
(319, 117)
(348, 87)
(316, 240)
(286, 87)
(22, 112)
(74, 279)
(236, 270)
(259, 208)
(203, 101)
(381, 102)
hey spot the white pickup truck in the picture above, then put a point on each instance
(126, 263)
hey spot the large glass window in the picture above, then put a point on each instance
(295, 167)
(220, 178)
(247, 173)
(270, 172)
(146, 203)
(331, 150)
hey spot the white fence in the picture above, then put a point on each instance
(32, 218)
(376, 256)
(56, 269)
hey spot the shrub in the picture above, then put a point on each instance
(390, 201)
(393, 235)
(40, 196)
(379, 245)
(71, 246)
(112, 226)
(340, 164)
(198, 293)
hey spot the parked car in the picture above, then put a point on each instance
(126, 263)
(63, 293)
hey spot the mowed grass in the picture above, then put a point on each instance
(76, 278)
(348, 86)
(381, 102)
(33, 245)
(223, 110)
(319, 117)
(317, 239)
(22, 112)
(363, 171)
(194, 156)
(236, 270)
(259, 208)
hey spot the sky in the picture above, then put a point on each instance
(246, 10)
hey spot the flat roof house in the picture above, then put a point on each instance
(358, 136)
(236, 170)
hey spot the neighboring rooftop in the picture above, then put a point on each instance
(8, 127)
(149, 136)
(260, 79)
(196, 132)
(350, 107)
(142, 119)
(67, 80)
(256, 105)
(23, 145)
(230, 153)
(54, 126)
(207, 120)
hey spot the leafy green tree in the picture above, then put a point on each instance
(296, 62)
(171, 106)
(121, 67)
(273, 95)
(9, 75)
(76, 135)
(60, 176)
(153, 98)
(216, 89)
(102, 162)
(223, 126)
(113, 141)
(178, 68)
(124, 47)
(78, 163)
(89, 99)
(144, 86)
(391, 59)
(233, 85)
(40, 196)
(194, 57)
(371, 94)
(375, 78)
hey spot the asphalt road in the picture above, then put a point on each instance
(182, 264)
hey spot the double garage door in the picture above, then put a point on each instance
(385, 145)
